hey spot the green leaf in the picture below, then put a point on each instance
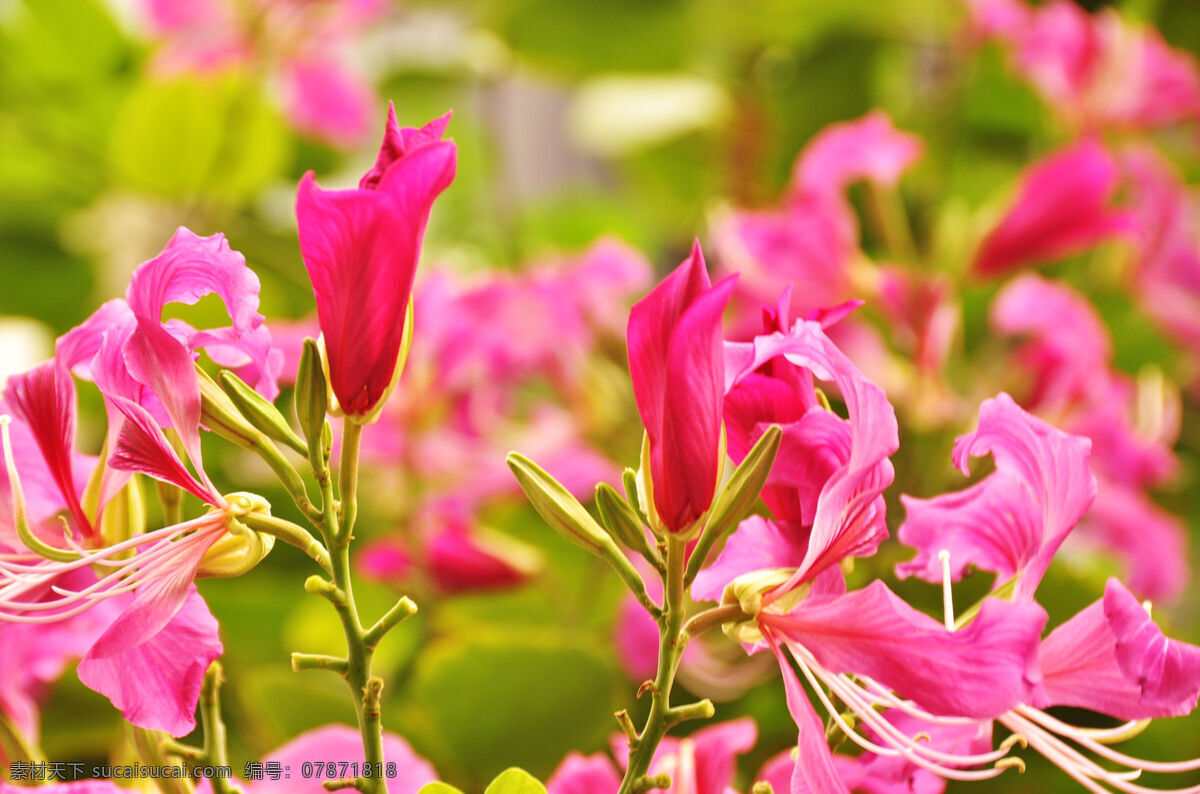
(438, 788)
(503, 696)
(515, 781)
(178, 138)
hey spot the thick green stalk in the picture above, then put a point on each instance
(364, 687)
(670, 648)
(348, 478)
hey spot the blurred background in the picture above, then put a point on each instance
(636, 124)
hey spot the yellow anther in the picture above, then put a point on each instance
(923, 737)
(1015, 739)
(1011, 763)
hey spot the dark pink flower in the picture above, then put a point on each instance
(361, 248)
(811, 239)
(1093, 70)
(675, 360)
(1061, 209)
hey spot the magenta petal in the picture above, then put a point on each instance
(1061, 209)
(1069, 349)
(326, 101)
(361, 248)
(152, 669)
(341, 743)
(142, 447)
(1015, 520)
(716, 749)
(686, 476)
(1166, 670)
(578, 774)
(866, 148)
(676, 361)
(981, 670)
(45, 398)
(814, 771)
(399, 141)
(189, 268)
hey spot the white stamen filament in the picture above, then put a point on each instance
(911, 748)
(947, 592)
(1081, 737)
(166, 548)
(1079, 767)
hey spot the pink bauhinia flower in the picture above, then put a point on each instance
(361, 247)
(675, 360)
(811, 240)
(1067, 349)
(1093, 70)
(1167, 272)
(702, 763)
(1062, 208)
(150, 660)
(302, 47)
(867, 647)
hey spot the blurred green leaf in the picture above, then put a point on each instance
(438, 788)
(498, 698)
(211, 135)
(515, 781)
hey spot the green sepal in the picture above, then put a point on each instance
(737, 498)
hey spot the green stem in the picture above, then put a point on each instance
(891, 219)
(713, 618)
(365, 688)
(215, 750)
(348, 477)
(670, 648)
(293, 535)
(288, 477)
(14, 745)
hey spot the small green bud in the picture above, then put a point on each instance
(567, 517)
(260, 412)
(312, 391)
(558, 508)
(221, 416)
(622, 522)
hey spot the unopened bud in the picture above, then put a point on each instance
(557, 507)
(312, 391)
(221, 416)
(622, 522)
(260, 412)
